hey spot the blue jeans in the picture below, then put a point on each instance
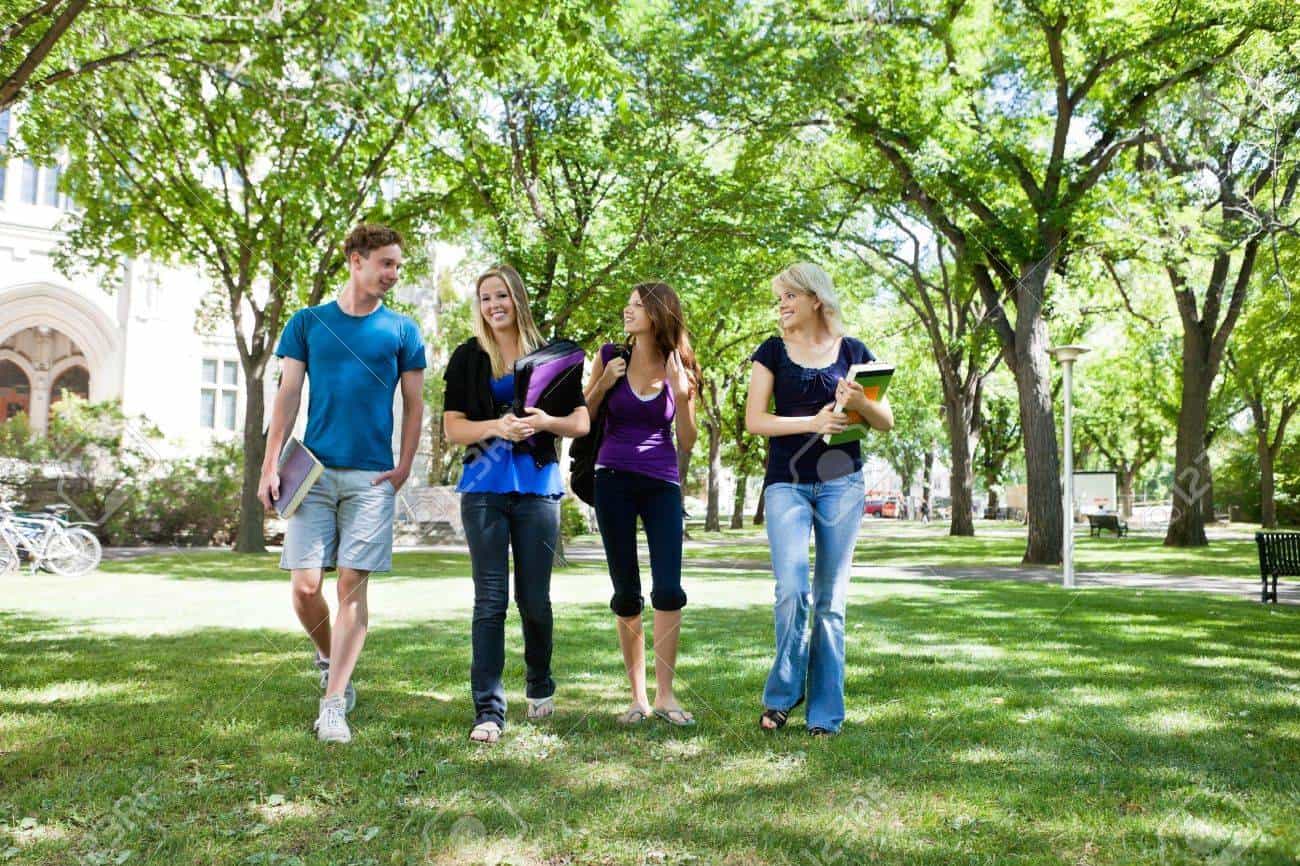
(497, 525)
(805, 667)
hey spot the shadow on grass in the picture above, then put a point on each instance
(989, 723)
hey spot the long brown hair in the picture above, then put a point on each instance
(664, 309)
(529, 337)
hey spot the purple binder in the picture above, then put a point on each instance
(549, 378)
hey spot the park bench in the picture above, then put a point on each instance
(1279, 556)
(1098, 522)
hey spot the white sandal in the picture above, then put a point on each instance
(540, 708)
(491, 730)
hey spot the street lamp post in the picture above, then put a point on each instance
(1067, 355)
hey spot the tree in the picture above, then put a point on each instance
(1116, 393)
(915, 395)
(584, 158)
(999, 439)
(1012, 117)
(727, 341)
(920, 268)
(448, 314)
(252, 165)
(598, 154)
(1220, 183)
(1267, 375)
(47, 44)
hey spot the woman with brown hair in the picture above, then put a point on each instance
(649, 383)
(510, 495)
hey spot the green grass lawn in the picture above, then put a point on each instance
(225, 565)
(884, 543)
(988, 723)
(889, 543)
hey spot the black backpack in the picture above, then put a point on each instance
(583, 451)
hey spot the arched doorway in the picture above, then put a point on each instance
(15, 391)
(49, 365)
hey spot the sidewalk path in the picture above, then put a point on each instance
(156, 604)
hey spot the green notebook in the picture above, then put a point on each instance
(874, 378)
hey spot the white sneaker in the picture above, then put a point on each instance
(323, 665)
(332, 723)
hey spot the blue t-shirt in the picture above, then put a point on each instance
(500, 469)
(803, 391)
(353, 367)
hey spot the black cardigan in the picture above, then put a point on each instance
(469, 390)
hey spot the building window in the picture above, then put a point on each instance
(50, 189)
(15, 390)
(29, 182)
(219, 395)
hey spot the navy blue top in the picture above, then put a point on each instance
(353, 366)
(803, 391)
(501, 469)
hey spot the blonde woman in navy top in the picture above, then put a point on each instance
(647, 392)
(811, 489)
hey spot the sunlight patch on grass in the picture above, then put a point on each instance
(1176, 722)
(1212, 841)
(1089, 696)
(435, 695)
(981, 755)
(277, 809)
(70, 692)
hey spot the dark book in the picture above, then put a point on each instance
(299, 470)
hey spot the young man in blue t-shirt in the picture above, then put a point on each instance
(355, 352)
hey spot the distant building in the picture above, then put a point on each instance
(128, 334)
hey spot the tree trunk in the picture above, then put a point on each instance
(1191, 466)
(712, 520)
(1127, 473)
(991, 487)
(925, 481)
(762, 503)
(436, 474)
(738, 504)
(1207, 495)
(1037, 421)
(250, 537)
(1267, 504)
(958, 416)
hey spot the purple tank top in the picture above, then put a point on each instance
(638, 433)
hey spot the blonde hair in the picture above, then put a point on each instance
(810, 279)
(529, 337)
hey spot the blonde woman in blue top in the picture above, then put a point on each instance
(510, 495)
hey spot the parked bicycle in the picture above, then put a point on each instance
(47, 540)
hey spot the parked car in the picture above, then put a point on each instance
(891, 508)
(873, 507)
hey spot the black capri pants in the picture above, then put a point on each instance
(622, 497)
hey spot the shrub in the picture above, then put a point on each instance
(191, 501)
(573, 520)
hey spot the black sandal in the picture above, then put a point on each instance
(779, 717)
(822, 732)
